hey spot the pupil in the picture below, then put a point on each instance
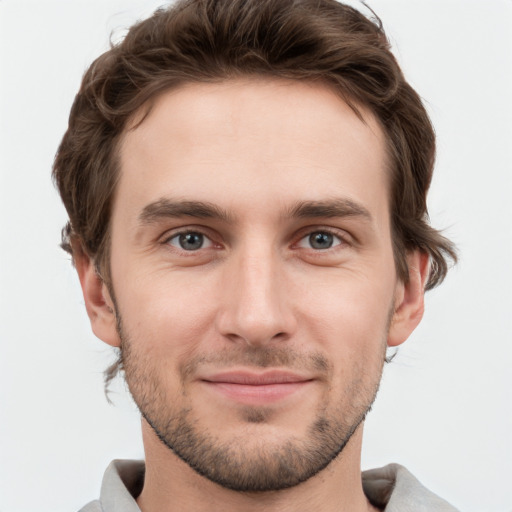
(320, 240)
(191, 241)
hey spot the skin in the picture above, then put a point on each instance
(267, 156)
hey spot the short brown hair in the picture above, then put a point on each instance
(215, 40)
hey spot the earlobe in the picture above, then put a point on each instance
(409, 300)
(98, 303)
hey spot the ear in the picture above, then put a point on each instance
(98, 303)
(409, 299)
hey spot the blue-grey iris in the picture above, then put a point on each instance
(191, 241)
(321, 240)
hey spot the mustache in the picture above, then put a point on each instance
(258, 357)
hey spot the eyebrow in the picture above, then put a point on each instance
(167, 208)
(329, 209)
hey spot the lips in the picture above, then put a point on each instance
(256, 379)
(256, 388)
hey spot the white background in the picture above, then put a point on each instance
(444, 409)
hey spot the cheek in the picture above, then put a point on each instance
(351, 306)
(351, 323)
(167, 315)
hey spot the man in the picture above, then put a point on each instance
(246, 185)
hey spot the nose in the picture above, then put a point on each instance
(256, 303)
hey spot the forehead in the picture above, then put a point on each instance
(253, 138)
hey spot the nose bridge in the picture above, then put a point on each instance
(257, 308)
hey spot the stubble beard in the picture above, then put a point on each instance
(242, 464)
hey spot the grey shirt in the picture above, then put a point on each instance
(391, 488)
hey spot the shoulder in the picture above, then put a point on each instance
(396, 489)
(122, 483)
(93, 506)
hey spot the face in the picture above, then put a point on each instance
(253, 275)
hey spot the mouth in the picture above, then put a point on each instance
(257, 388)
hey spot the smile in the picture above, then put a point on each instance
(257, 388)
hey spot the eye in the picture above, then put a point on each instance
(320, 240)
(190, 241)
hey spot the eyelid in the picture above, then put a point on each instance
(304, 242)
(183, 230)
(343, 236)
(207, 242)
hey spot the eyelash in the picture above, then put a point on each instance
(341, 239)
(190, 231)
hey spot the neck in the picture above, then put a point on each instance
(170, 485)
